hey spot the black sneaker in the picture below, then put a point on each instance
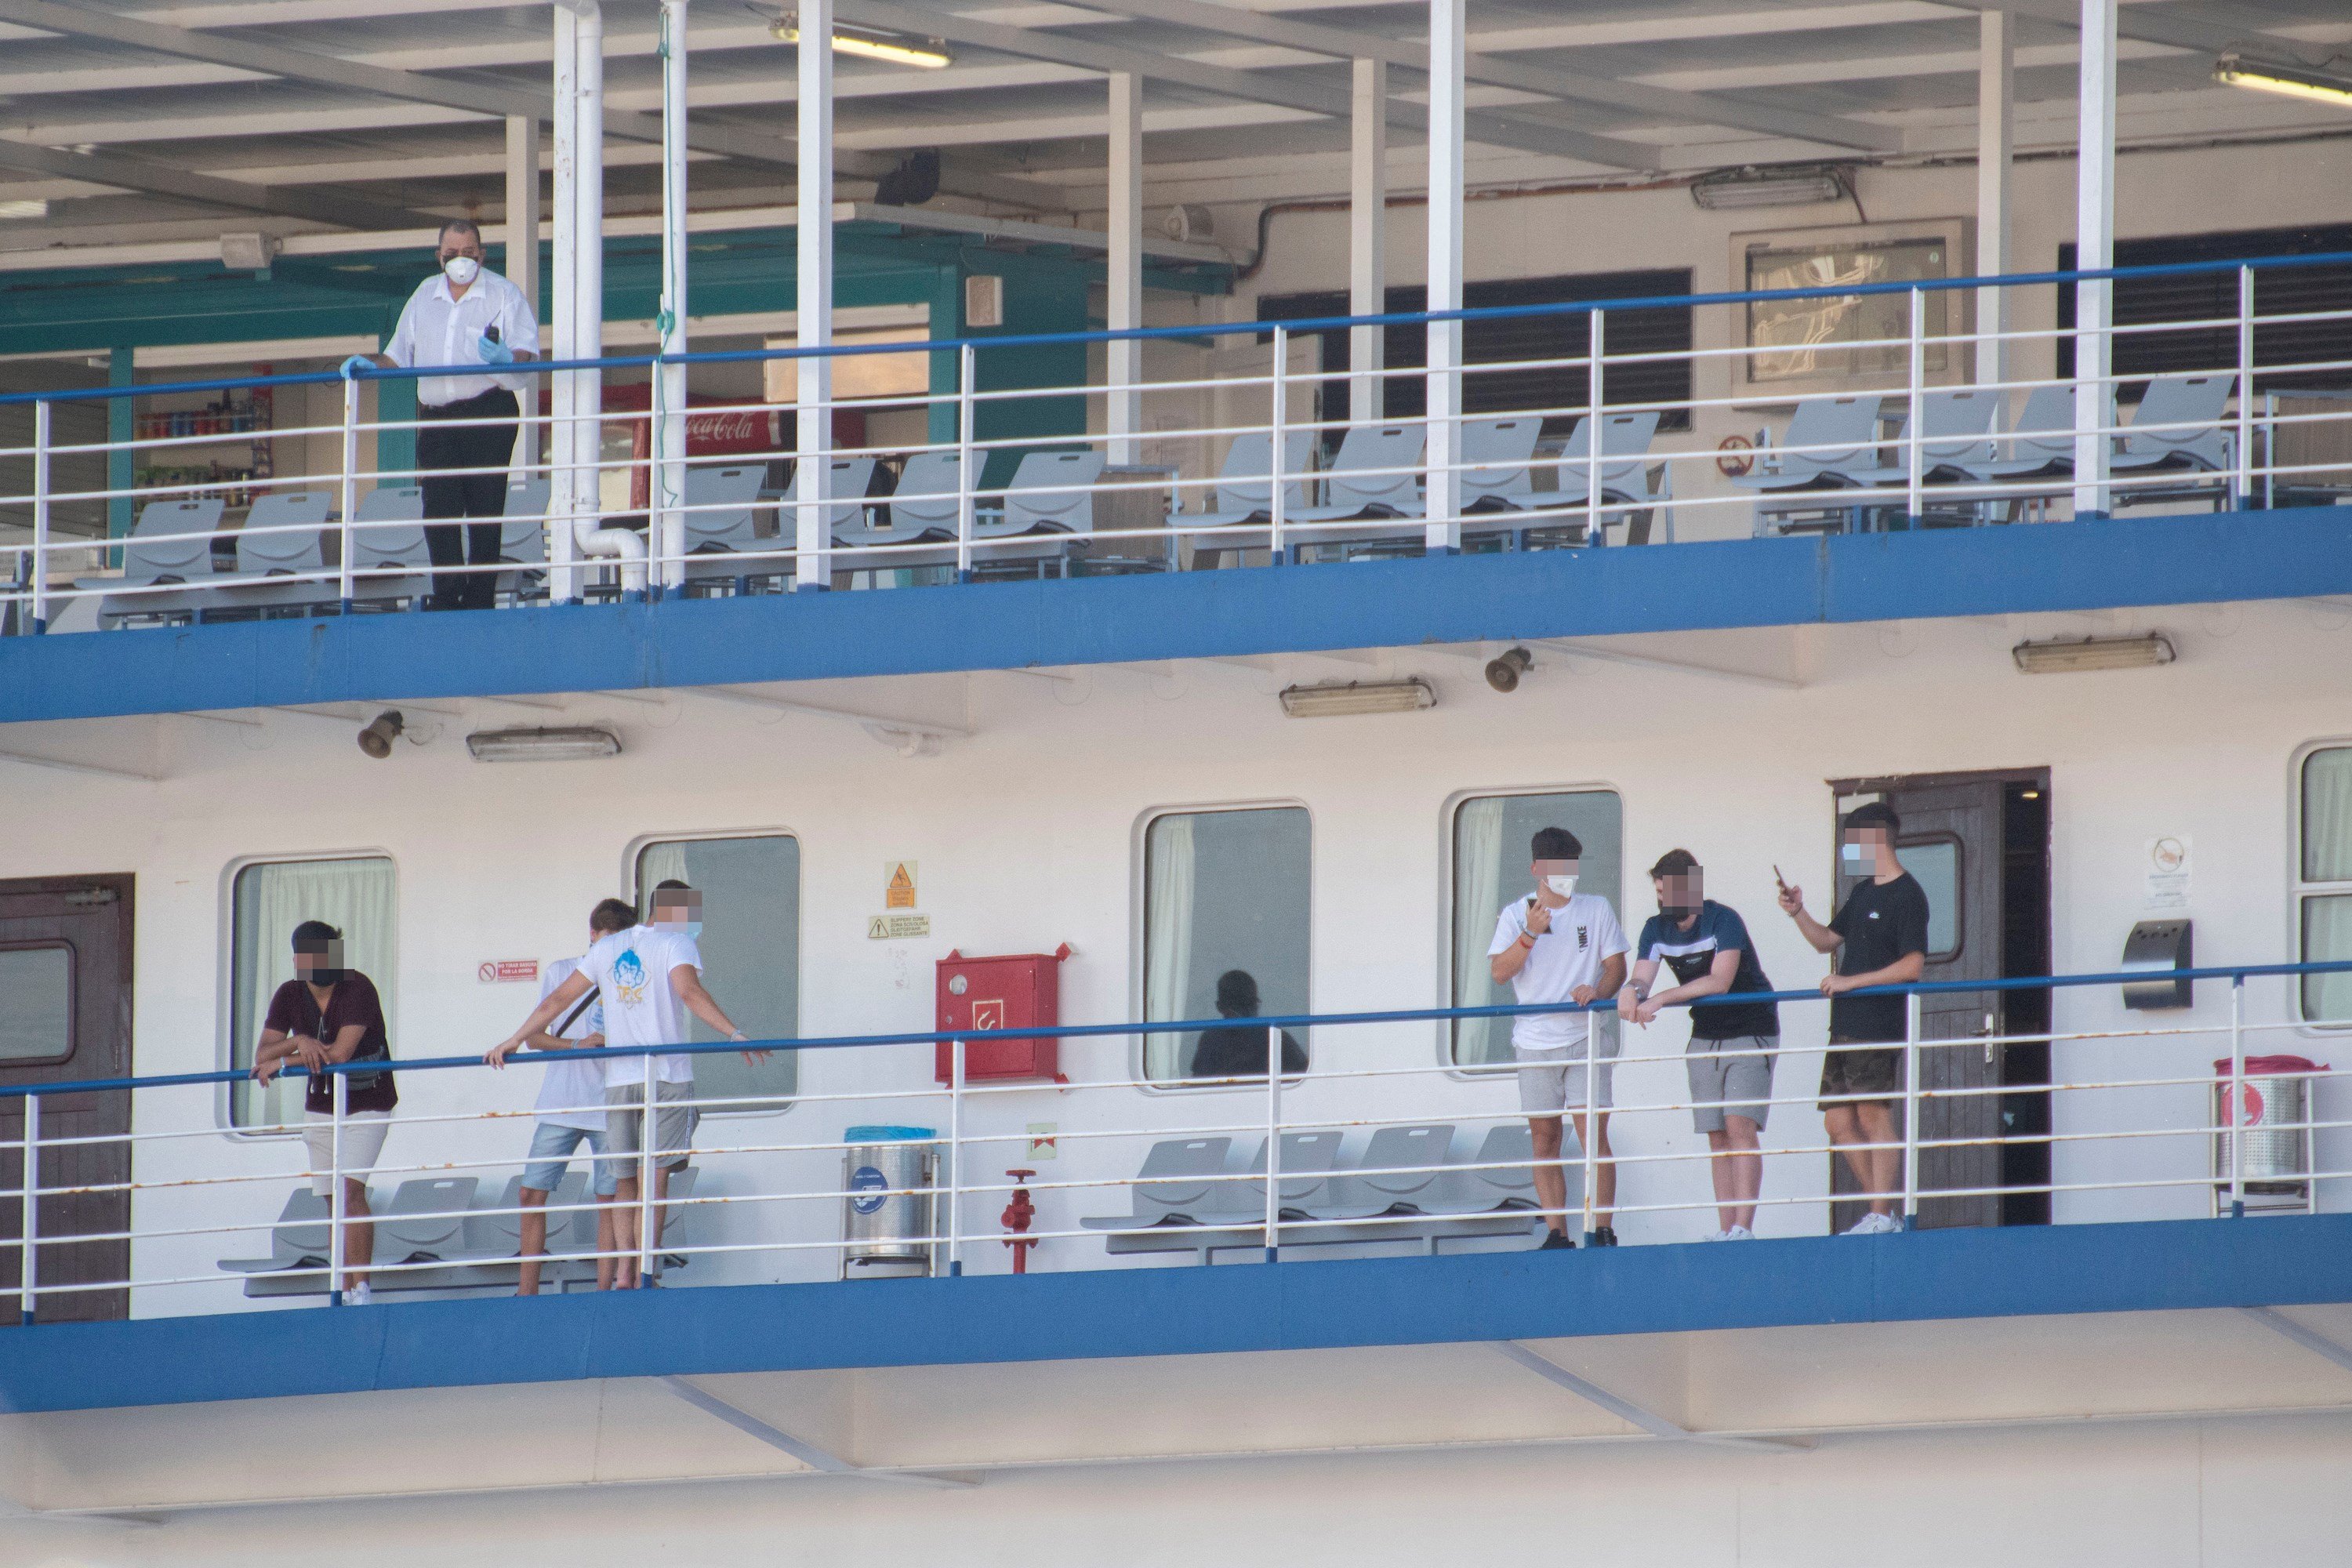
(1604, 1237)
(1555, 1241)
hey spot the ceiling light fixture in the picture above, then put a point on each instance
(1336, 702)
(1750, 186)
(580, 743)
(897, 48)
(2063, 655)
(2234, 69)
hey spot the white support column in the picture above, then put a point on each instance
(1368, 254)
(813, 304)
(522, 255)
(2095, 249)
(668, 490)
(1123, 361)
(1446, 60)
(1996, 148)
(564, 312)
(588, 261)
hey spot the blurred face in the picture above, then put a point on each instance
(320, 963)
(1557, 879)
(1680, 895)
(678, 911)
(1858, 855)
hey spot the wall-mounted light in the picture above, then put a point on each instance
(2065, 655)
(1751, 186)
(1335, 701)
(866, 42)
(580, 744)
(2234, 69)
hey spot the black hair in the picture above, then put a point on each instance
(312, 936)
(671, 885)
(610, 915)
(457, 226)
(1674, 863)
(1556, 844)
(1237, 993)
(1872, 814)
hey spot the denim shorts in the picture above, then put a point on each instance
(551, 1152)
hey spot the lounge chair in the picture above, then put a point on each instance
(1050, 500)
(1828, 441)
(163, 549)
(1376, 473)
(264, 552)
(1956, 442)
(722, 514)
(1243, 500)
(920, 510)
(388, 538)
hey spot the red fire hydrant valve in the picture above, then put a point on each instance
(1017, 1216)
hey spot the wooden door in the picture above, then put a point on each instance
(65, 1017)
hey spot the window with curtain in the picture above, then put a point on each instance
(2323, 882)
(1222, 891)
(268, 900)
(1491, 834)
(751, 944)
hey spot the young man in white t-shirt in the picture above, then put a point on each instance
(647, 979)
(571, 1111)
(1560, 946)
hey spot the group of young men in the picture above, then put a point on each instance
(1558, 945)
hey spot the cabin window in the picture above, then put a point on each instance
(750, 943)
(36, 1003)
(355, 894)
(2323, 882)
(1491, 833)
(1223, 891)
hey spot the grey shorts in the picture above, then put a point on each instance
(1553, 1081)
(1726, 1082)
(673, 1120)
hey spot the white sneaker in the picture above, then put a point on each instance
(1719, 1235)
(1740, 1233)
(358, 1295)
(1872, 1223)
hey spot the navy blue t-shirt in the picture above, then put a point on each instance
(1689, 952)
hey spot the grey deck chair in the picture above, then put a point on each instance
(921, 512)
(1497, 465)
(426, 1223)
(522, 537)
(298, 1242)
(1174, 1186)
(1625, 480)
(1243, 500)
(2177, 425)
(1383, 1185)
(1050, 500)
(722, 516)
(388, 537)
(2043, 444)
(1956, 442)
(1840, 437)
(1508, 1184)
(158, 552)
(261, 555)
(1375, 473)
(1308, 1160)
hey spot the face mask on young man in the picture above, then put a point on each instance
(1856, 856)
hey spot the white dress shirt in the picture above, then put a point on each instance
(436, 329)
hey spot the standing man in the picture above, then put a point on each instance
(465, 315)
(572, 1113)
(1559, 945)
(1729, 1058)
(1880, 938)
(648, 978)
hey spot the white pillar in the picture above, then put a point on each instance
(1446, 28)
(563, 310)
(588, 262)
(1996, 144)
(1123, 364)
(2095, 249)
(1367, 255)
(813, 302)
(668, 487)
(522, 255)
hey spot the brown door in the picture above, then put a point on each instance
(65, 1017)
(1951, 842)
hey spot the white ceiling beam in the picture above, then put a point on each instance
(810, 1454)
(60, 764)
(2178, 29)
(138, 174)
(1625, 1410)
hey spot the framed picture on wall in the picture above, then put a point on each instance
(1844, 343)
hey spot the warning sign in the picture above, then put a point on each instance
(989, 1015)
(898, 885)
(502, 971)
(897, 928)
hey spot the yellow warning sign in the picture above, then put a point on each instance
(898, 885)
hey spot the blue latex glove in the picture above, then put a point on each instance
(493, 352)
(358, 362)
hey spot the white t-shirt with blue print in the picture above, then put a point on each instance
(632, 970)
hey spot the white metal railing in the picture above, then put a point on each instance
(1530, 471)
(2191, 1128)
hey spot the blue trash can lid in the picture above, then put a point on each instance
(888, 1134)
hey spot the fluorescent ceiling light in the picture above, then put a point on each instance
(897, 48)
(1357, 697)
(571, 745)
(23, 209)
(2235, 70)
(2094, 653)
(1767, 187)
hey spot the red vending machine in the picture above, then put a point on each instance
(1007, 992)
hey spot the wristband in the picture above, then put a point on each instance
(1526, 941)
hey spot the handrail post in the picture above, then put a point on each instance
(955, 1158)
(1911, 1009)
(28, 1232)
(1276, 423)
(649, 1103)
(1273, 1142)
(967, 481)
(1596, 526)
(2237, 1114)
(1591, 1139)
(2242, 479)
(1915, 476)
(349, 489)
(40, 529)
(337, 1205)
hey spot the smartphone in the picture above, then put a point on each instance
(1779, 879)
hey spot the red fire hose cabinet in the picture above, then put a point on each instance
(1011, 990)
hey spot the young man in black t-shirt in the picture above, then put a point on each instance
(1880, 938)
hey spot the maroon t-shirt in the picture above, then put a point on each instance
(294, 1011)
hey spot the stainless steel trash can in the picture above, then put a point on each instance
(887, 1177)
(2273, 1121)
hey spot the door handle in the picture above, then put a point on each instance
(1989, 1030)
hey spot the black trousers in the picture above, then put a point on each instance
(442, 447)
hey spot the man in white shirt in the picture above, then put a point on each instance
(571, 1111)
(648, 978)
(463, 315)
(1559, 945)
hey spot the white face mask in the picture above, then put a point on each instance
(1562, 887)
(1857, 858)
(462, 270)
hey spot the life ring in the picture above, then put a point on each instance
(1738, 457)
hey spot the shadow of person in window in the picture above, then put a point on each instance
(1238, 1050)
